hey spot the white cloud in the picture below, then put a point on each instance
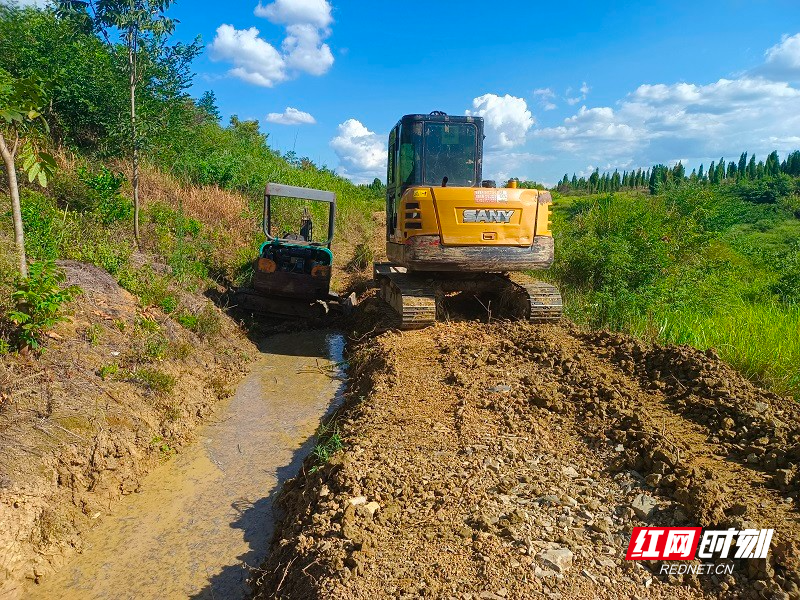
(545, 97)
(573, 100)
(361, 152)
(782, 61)
(302, 51)
(502, 166)
(659, 123)
(507, 119)
(295, 12)
(291, 116)
(36, 3)
(254, 60)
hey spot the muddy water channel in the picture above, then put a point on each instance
(203, 515)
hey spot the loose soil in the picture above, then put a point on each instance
(511, 460)
(118, 390)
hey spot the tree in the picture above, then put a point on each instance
(743, 165)
(208, 104)
(21, 102)
(773, 165)
(143, 28)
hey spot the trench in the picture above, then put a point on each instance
(203, 517)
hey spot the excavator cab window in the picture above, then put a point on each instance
(434, 149)
(450, 154)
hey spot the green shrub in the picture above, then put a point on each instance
(206, 323)
(153, 379)
(43, 223)
(107, 371)
(39, 301)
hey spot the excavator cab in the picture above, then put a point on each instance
(432, 150)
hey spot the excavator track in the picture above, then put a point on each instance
(544, 301)
(412, 298)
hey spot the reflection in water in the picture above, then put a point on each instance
(206, 513)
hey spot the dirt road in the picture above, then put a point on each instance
(199, 517)
(513, 461)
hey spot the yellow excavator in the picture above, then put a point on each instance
(448, 231)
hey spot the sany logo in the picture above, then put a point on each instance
(663, 543)
(681, 543)
(488, 216)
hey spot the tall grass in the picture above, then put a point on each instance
(762, 341)
(698, 266)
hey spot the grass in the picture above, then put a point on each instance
(759, 340)
(696, 265)
(329, 442)
(154, 380)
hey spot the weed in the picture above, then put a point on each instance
(329, 441)
(154, 380)
(168, 303)
(219, 386)
(147, 324)
(163, 447)
(188, 320)
(39, 302)
(107, 371)
(93, 333)
(179, 350)
(363, 257)
(206, 323)
(156, 346)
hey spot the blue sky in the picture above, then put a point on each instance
(564, 86)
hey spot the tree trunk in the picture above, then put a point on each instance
(134, 139)
(13, 186)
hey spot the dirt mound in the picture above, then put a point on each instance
(511, 461)
(118, 389)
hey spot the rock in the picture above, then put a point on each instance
(357, 500)
(501, 388)
(372, 507)
(643, 505)
(605, 562)
(653, 479)
(549, 499)
(491, 463)
(559, 559)
(570, 472)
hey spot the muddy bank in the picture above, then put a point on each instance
(512, 461)
(119, 390)
(202, 518)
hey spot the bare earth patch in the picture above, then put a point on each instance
(513, 461)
